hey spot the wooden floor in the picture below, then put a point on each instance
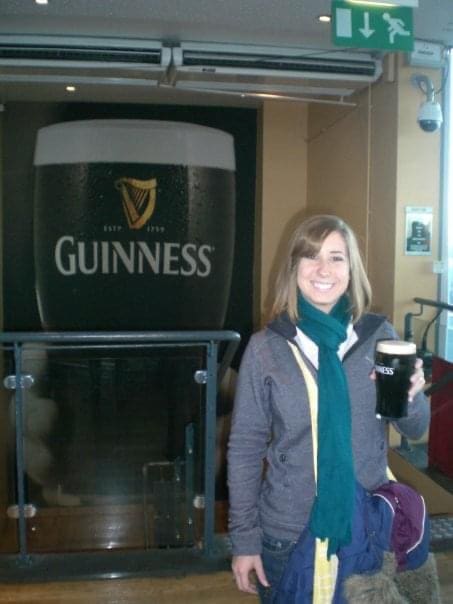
(198, 589)
(215, 588)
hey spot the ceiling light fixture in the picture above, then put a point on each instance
(406, 3)
(41, 1)
(70, 88)
(325, 18)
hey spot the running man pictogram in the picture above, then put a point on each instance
(395, 27)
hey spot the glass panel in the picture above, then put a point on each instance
(446, 323)
(114, 442)
(447, 285)
(8, 509)
(450, 252)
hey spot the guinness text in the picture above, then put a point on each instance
(134, 257)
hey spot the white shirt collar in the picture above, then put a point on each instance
(310, 349)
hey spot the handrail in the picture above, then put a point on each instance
(440, 384)
(120, 336)
(125, 339)
(440, 306)
(434, 303)
(90, 338)
(423, 349)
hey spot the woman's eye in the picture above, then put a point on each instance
(338, 258)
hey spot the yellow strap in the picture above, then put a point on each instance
(325, 573)
(390, 474)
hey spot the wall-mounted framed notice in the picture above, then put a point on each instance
(419, 231)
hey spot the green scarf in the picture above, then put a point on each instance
(331, 515)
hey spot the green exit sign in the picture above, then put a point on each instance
(368, 26)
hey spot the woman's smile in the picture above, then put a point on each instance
(322, 286)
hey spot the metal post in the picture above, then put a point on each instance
(210, 432)
(189, 480)
(20, 458)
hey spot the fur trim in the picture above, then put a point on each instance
(376, 588)
(419, 586)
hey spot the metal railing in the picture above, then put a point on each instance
(422, 349)
(85, 564)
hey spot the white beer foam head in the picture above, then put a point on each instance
(396, 347)
(134, 141)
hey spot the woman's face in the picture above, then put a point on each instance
(324, 278)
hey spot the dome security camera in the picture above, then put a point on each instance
(429, 116)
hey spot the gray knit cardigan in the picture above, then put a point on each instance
(270, 459)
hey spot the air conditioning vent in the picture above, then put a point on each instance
(82, 54)
(335, 65)
(28, 61)
(82, 60)
(272, 70)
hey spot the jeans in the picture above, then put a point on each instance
(275, 556)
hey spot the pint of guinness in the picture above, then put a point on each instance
(133, 225)
(394, 365)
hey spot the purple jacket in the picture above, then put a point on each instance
(409, 522)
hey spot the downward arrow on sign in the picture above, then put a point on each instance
(365, 30)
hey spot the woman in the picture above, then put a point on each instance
(320, 306)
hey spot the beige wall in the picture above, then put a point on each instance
(365, 163)
(338, 163)
(383, 172)
(418, 184)
(405, 171)
(283, 188)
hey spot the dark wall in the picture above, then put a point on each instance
(22, 120)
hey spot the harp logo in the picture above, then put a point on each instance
(139, 200)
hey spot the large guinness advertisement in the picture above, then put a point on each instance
(133, 225)
(123, 217)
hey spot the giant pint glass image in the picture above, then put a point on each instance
(394, 365)
(133, 225)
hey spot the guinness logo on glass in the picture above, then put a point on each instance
(107, 255)
(139, 200)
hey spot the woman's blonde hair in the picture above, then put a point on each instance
(306, 241)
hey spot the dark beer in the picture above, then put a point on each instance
(133, 225)
(394, 365)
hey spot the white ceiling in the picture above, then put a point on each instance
(265, 22)
(281, 22)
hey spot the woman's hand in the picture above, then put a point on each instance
(243, 566)
(417, 380)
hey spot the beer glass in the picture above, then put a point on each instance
(394, 365)
(133, 225)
